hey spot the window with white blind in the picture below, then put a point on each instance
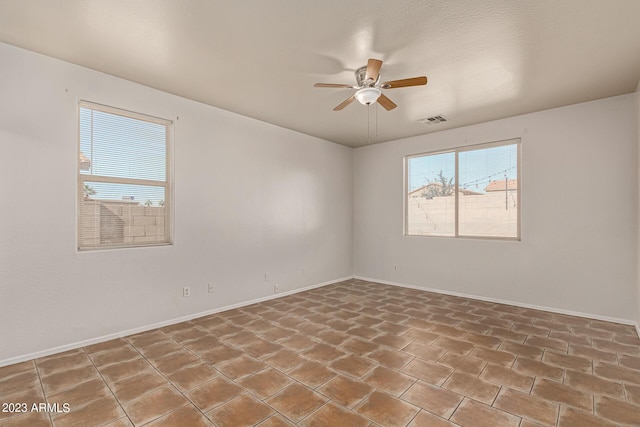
(124, 196)
(465, 192)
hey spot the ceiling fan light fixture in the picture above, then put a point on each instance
(368, 95)
(369, 87)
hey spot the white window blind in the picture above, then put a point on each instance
(466, 192)
(123, 181)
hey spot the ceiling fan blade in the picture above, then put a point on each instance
(386, 103)
(415, 81)
(373, 69)
(331, 85)
(345, 103)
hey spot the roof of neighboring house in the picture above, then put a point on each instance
(85, 163)
(418, 191)
(512, 184)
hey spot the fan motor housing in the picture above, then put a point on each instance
(361, 74)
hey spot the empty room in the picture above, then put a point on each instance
(294, 213)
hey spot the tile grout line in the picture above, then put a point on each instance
(204, 414)
(157, 371)
(44, 394)
(106, 384)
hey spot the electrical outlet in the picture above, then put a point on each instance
(186, 291)
(266, 277)
(211, 288)
(395, 267)
(276, 289)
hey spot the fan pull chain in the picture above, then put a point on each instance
(368, 124)
(376, 121)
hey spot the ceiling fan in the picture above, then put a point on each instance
(370, 88)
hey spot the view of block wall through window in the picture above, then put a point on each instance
(123, 180)
(465, 192)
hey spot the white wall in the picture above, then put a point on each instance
(250, 198)
(578, 256)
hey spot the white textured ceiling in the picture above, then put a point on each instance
(485, 60)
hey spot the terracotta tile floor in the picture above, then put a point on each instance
(351, 354)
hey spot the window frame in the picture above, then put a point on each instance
(167, 183)
(457, 151)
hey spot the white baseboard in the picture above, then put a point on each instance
(501, 301)
(145, 328)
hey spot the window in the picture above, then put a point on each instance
(465, 192)
(124, 196)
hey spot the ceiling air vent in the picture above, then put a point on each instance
(433, 120)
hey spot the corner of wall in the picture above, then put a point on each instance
(638, 208)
